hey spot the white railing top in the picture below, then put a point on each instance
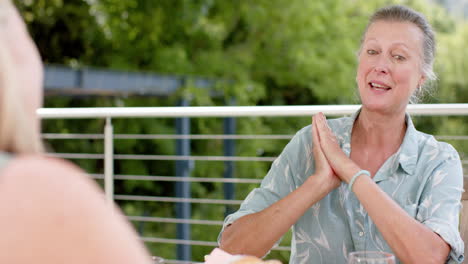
(236, 111)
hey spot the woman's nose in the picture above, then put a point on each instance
(382, 66)
(381, 69)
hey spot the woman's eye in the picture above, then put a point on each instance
(399, 57)
(371, 52)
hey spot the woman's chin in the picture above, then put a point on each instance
(377, 107)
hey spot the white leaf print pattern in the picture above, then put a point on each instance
(286, 171)
(277, 161)
(345, 251)
(433, 154)
(303, 237)
(305, 257)
(438, 177)
(343, 192)
(404, 157)
(359, 224)
(315, 209)
(379, 243)
(427, 202)
(402, 180)
(270, 185)
(424, 208)
(434, 209)
(322, 240)
(361, 210)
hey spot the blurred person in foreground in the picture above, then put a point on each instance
(367, 182)
(50, 211)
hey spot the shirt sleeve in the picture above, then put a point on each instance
(279, 181)
(440, 204)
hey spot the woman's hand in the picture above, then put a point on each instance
(339, 162)
(323, 170)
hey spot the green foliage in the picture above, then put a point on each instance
(452, 65)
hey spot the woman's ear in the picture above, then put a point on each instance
(422, 80)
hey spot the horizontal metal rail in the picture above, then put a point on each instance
(173, 220)
(171, 136)
(166, 157)
(179, 241)
(196, 242)
(178, 179)
(451, 137)
(176, 199)
(159, 157)
(237, 111)
(192, 179)
(174, 261)
(160, 136)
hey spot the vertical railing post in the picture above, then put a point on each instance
(183, 209)
(109, 160)
(229, 151)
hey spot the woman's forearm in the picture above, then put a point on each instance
(410, 240)
(255, 234)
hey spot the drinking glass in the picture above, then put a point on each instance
(157, 260)
(370, 257)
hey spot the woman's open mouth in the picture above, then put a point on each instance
(379, 87)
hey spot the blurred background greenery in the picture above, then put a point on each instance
(272, 52)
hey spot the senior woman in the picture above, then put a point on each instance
(367, 182)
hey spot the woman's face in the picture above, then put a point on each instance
(389, 68)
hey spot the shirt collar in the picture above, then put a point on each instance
(408, 152)
(406, 156)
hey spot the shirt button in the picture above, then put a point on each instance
(361, 234)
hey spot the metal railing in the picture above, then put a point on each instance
(200, 112)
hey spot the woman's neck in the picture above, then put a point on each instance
(374, 129)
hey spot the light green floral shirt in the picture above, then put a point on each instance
(424, 177)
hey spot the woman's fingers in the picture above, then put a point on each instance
(330, 148)
(325, 129)
(315, 140)
(328, 142)
(320, 126)
(323, 168)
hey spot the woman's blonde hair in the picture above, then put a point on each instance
(18, 133)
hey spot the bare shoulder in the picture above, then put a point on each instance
(51, 184)
(33, 173)
(25, 165)
(55, 205)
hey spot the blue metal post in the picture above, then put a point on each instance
(183, 210)
(229, 151)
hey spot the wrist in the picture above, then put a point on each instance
(350, 171)
(361, 173)
(319, 184)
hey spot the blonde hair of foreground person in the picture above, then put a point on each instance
(50, 211)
